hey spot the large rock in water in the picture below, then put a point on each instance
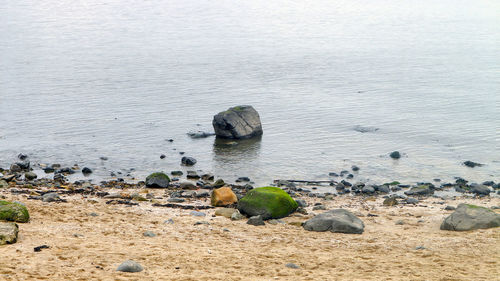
(13, 212)
(8, 233)
(239, 122)
(338, 220)
(160, 180)
(269, 202)
(470, 217)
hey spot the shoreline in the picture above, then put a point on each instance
(175, 234)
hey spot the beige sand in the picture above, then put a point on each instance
(183, 251)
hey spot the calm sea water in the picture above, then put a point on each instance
(116, 78)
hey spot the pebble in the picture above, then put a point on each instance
(169, 221)
(256, 221)
(197, 214)
(149, 234)
(50, 197)
(292, 265)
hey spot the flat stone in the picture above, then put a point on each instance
(256, 221)
(197, 214)
(338, 220)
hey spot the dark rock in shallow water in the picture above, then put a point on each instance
(188, 161)
(338, 220)
(192, 175)
(420, 190)
(86, 171)
(243, 179)
(130, 266)
(470, 217)
(355, 168)
(480, 190)
(22, 156)
(160, 180)
(199, 135)
(163, 156)
(176, 173)
(383, 189)
(49, 170)
(471, 164)
(14, 168)
(363, 129)
(237, 122)
(65, 171)
(368, 190)
(395, 155)
(489, 183)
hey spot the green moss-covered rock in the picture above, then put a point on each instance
(269, 202)
(13, 212)
(159, 180)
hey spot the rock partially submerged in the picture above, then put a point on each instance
(338, 220)
(239, 122)
(8, 233)
(269, 202)
(470, 217)
(13, 212)
(157, 180)
(471, 164)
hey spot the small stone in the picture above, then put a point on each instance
(93, 214)
(319, 207)
(420, 248)
(30, 176)
(8, 232)
(411, 201)
(187, 185)
(471, 164)
(292, 265)
(188, 161)
(149, 234)
(192, 175)
(400, 222)
(450, 208)
(50, 197)
(301, 202)
(256, 221)
(395, 155)
(176, 200)
(169, 221)
(355, 168)
(130, 266)
(391, 201)
(201, 222)
(103, 158)
(86, 171)
(163, 156)
(197, 214)
(176, 173)
(236, 216)
(39, 248)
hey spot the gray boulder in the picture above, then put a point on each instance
(480, 190)
(338, 220)
(420, 190)
(239, 122)
(8, 233)
(470, 217)
(130, 266)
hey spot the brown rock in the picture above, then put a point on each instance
(223, 196)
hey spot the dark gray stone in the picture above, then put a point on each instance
(30, 176)
(395, 155)
(50, 197)
(368, 190)
(256, 220)
(470, 217)
(420, 190)
(188, 161)
(338, 220)
(471, 164)
(237, 122)
(157, 180)
(86, 171)
(301, 202)
(480, 190)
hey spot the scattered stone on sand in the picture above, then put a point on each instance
(50, 197)
(40, 248)
(176, 173)
(338, 220)
(395, 155)
(169, 221)
(202, 222)
(400, 222)
(292, 265)
(236, 216)
(149, 234)
(237, 122)
(301, 203)
(450, 208)
(391, 201)
(223, 196)
(269, 202)
(411, 201)
(225, 212)
(470, 217)
(176, 200)
(218, 183)
(207, 177)
(319, 207)
(8, 233)
(256, 220)
(130, 266)
(157, 180)
(15, 212)
(471, 164)
(197, 214)
(188, 161)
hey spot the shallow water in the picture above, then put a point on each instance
(117, 78)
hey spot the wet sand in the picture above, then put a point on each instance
(86, 247)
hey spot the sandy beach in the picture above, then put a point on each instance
(88, 239)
